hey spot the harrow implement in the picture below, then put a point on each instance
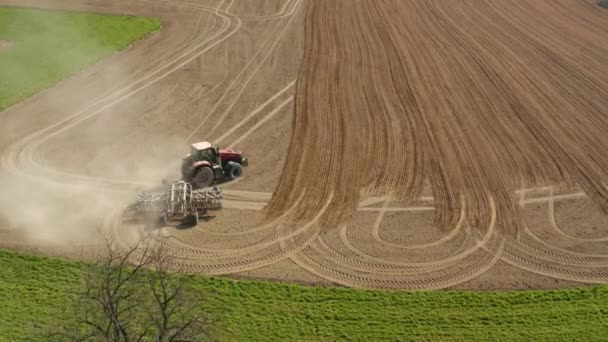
(178, 203)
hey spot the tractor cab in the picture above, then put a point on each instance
(205, 151)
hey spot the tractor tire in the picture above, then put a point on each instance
(235, 171)
(193, 219)
(203, 177)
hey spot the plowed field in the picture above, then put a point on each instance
(393, 144)
(480, 98)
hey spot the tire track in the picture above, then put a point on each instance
(576, 273)
(252, 256)
(558, 230)
(448, 237)
(241, 82)
(463, 251)
(394, 269)
(424, 281)
(255, 112)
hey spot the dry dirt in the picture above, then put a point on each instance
(432, 144)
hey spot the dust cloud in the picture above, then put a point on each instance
(65, 210)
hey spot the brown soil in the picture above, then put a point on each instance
(467, 102)
(479, 97)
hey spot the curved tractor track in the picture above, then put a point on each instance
(410, 226)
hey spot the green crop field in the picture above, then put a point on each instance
(47, 46)
(36, 292)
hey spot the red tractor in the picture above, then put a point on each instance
(207, 164)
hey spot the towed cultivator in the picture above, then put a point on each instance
(180, 202)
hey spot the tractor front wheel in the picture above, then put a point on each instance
(203, 177)
(235, 171)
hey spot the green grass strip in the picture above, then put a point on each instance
(36, 292)
(48, 46)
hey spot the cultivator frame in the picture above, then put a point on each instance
(179, 202)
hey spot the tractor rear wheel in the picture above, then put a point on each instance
(235, 171)
(203, 177)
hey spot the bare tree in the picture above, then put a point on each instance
(176, 310)
(129, 295)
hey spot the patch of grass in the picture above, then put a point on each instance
(36, 292)
(50, 45)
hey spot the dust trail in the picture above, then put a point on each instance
(477, 96)
(41, 210)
